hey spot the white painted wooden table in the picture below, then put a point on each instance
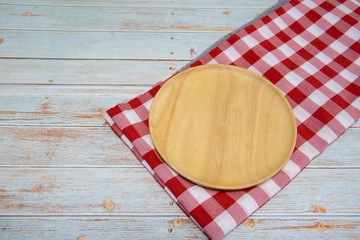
(65, 175)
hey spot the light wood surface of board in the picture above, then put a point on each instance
(65, 175)
(222, 127)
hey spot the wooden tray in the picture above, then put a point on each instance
(222, 127)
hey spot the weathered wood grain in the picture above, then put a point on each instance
(100, 147)
(67, 147)
(249, 141)
(345, 148)
(125, 191)
(112, 72)
(171, 227)
(79, 105)
(75, 191)
(104, 45)
(153, 3)
(124, 19)
(61, 105)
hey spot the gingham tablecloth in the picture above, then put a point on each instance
(310, 50)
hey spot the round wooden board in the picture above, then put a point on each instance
(222, 127)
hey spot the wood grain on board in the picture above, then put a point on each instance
(222, 127)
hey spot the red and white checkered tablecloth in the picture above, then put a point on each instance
(310, 50)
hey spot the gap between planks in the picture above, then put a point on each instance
(141, 85)
(170, 6)
(150, 215)
(34, 166)
(100, 59)
(112, 31)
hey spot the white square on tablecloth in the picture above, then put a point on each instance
(225, 221)
(356, 103)
(270, 59)
(333, 86)
(310, 4)
(301, 114)
(270, 187)
(293, 78)
(343, 8)
(338, 46)
(315, 30)
(301, 41)
(213, 61)
(323, 58)
(344, 118)
(347, 75)
(291, 169)
(308, 150)
(250, 41)
(286, 50)
(247, 203)
(308, 67)
(148, 104)
(232, 53)
(295, 14)
(148, 140)
(331, 18)
(280, 23)
(132, 116)
(265, 32)
(199, 193)
(327, 134)
(318, 97)
(353, 33)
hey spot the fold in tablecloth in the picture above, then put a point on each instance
(310, 51)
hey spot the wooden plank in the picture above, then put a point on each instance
(104, 45)
(153, 3)
(314, 191)
(100, 147)
(343, 152)
(61, 105)
(170, 227)
(78, 105)
(67, 147)
(74, 191)
(125, 191)
(124, 19)
(114, 72)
